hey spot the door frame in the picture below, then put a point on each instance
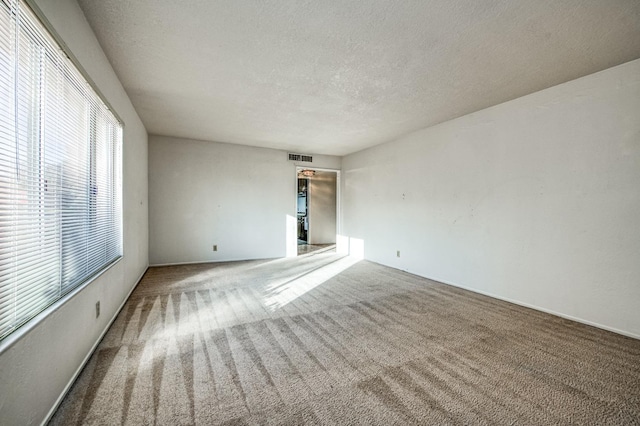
(338, 198)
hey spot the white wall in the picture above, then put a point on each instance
(536, 200)
(36, 369)
(322, 208)
(204, 193)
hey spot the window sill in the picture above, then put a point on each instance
(33, 323)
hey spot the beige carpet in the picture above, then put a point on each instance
(321, 340)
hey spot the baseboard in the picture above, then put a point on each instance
(530, 306)
(199, 262)
(545, 310)
(155, 265)
(93, 348)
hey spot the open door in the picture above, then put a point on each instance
(303, 209)
(317, 208)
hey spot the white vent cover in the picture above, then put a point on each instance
(300, 157)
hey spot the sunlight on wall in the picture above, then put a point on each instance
(356, 248)
(292, 236)
(280, 294)
(342, 244)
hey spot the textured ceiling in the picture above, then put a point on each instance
(333, 76)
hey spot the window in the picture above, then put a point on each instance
(60, 172)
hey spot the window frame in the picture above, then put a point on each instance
(18, 333)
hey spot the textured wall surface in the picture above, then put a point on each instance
(535, 200)
(341, 76)
(36, 369)
(203, 193)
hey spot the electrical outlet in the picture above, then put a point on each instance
(97, 309)
(398, 253)
(215, 248)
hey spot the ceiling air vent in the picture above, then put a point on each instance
(300, 157)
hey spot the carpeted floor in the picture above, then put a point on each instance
(321, 339)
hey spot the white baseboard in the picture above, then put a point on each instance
(535, 307)
(210, 261)
(526, 305)
(93, 348)
(187, 263)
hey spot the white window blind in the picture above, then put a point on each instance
(60, 172)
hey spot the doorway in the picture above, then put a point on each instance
(317, 210)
